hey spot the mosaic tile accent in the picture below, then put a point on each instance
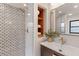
(12, 31)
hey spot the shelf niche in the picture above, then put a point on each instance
(41, 21)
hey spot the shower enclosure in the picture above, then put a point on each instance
(12, 31)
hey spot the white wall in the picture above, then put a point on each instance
(37, 40)
(29, 14)
(32, 40)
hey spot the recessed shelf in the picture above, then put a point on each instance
(40, 21)
(40, 18)
(39, 33)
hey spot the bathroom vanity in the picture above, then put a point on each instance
(56, 49)
(45, 51)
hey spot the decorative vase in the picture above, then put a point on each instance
(50, 39)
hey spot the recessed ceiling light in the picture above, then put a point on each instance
(76, 6)
(70, 14)
(28, 14)
(24, 4)
(59, 12)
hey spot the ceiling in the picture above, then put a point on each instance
(65, 8)
(68, 8)
(21, 5)
(56, 5)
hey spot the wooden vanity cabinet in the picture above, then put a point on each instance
(48, 52)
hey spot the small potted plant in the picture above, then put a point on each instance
(51, 34)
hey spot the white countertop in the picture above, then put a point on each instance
(67, 50)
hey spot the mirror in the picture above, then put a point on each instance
(64, 16)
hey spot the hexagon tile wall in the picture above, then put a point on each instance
(12, 31)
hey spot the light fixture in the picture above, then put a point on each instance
(69, 14)
(75, 6)
(38, 12)
(59, 12)
(24, 4)
(28, 14)
(39, 26)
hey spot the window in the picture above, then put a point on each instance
(74, 26)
